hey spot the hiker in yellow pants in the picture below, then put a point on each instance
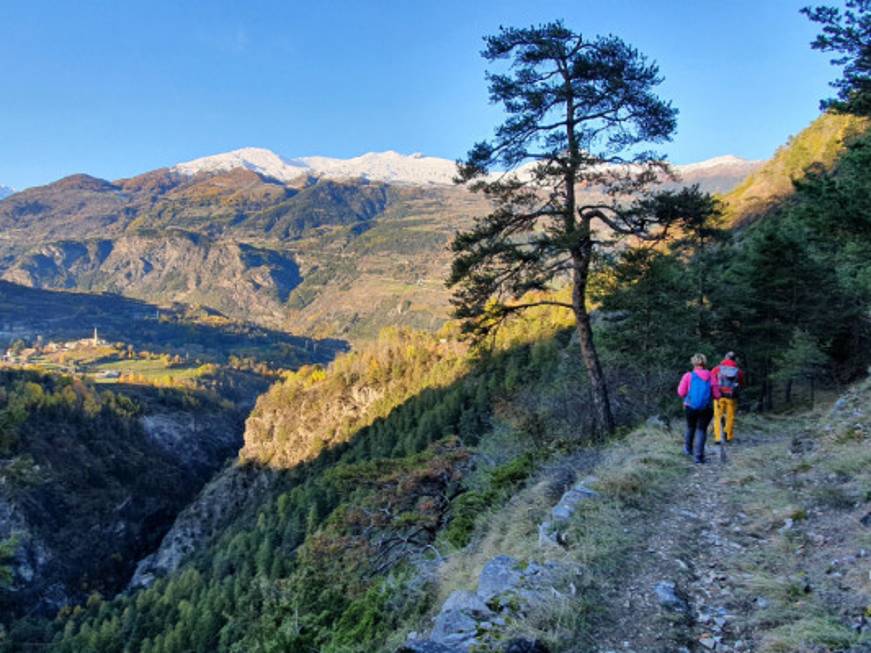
(724, 407)
(730, 378)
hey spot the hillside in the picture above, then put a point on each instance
(103, 443)
(342, 249)
(422, 520)
(233, 278)
(92, 479)
(764, 553)
(30, 313)
(420, 495)
(817, 146)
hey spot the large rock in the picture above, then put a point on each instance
(459, 620)
(551, 531)
(568, 504)
(468, 602)
(667, 596)
(507, 589)
(508, 584)
(500, 575)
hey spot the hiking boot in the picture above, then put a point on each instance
(687, 452)
(699, 462)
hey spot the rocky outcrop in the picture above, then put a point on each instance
(552, 531)
(29, 557)
(507, 590)
(486, 618)
(91, 483)
(198, 440)
(218, 503)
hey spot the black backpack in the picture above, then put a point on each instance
(727, 378)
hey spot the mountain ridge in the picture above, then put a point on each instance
(328, 254)
(388, 166)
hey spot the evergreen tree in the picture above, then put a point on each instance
(804, 359)
(649, 320)
(848, 34)
(701, 235)
(580, 110)
(775, 285)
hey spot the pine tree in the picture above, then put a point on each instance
(580, 110)
(804, 359)
(775, 285)
(649, 319)
(701, 234)
(848, 34)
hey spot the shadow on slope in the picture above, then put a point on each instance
(28, 312)
(350, 474)
(91, 479)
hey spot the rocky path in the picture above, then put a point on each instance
(767, 551)
(678, 594)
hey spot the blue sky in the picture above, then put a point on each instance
(118, 88)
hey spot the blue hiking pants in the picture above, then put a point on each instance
(697, 431)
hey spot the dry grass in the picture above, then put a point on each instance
(819, 479)
(821, 472)
(807, 635)
(511, 530)
(632, 471)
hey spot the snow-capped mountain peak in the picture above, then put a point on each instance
(387, 166)
(717, 162)
(391, 166)
(257, 159)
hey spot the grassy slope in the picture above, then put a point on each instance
(775, 536)
(818, 144)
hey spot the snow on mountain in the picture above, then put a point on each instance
(376, 166)
(727, 161)
(394, 167)
(387, 166)
(5, 191)
(259, 160)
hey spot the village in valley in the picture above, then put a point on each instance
(95, 358)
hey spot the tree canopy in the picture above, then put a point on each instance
(847, 33)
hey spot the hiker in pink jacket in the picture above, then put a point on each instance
(698, 388)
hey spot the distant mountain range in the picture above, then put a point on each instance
(314, 246)
(5, 191)
(394, 168)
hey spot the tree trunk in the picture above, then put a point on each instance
(700, 320)
(788, 393)
(601, 401)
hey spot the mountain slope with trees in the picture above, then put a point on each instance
(88, 486)
(325, 257)
(389, 478)
(817, 146)
(412, 447)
